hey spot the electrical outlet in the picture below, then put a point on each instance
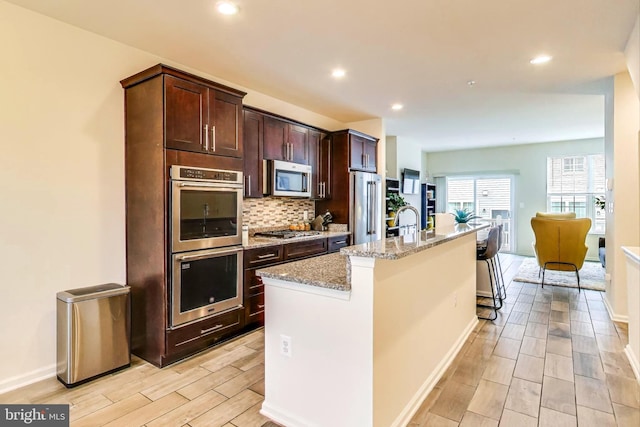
(285, 345)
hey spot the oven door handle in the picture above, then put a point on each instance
(207, 254)
(210, 185)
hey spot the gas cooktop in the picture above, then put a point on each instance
(287, 234)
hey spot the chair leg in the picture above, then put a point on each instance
(564, 263)
(495, 306)
(503, 292)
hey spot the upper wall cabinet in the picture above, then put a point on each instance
(363, 152)
(200, 116)
(285, 141)
(253, 134)
(362, 149)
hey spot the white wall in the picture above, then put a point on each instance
(623, 201)
(529, 165)
(62, 222)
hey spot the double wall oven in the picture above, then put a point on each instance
(206, 251)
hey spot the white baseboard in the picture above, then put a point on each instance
(281, 417)
(34, 376)
(484, 294)
(414, 404)
(633, 361)
(615, 317)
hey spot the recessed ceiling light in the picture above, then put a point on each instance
(471, 83)
(338, 73)
(227, 8)
(540, 59)
(397, 107)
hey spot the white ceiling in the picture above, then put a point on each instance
(420, 53)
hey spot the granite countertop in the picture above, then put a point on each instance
(402, 246)
(333, 271)
(325, 271)
(259, 241)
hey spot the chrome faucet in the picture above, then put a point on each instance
(404, 208)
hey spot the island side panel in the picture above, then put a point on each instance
(424, 309)
(328, 380)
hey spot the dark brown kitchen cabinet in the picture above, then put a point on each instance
(305, 248)
(202, 119)
(267, 256)
(320, 159)
(253, 287)
(362, 152)
(334, 244)
(285, 141)
(350, 151)
(253, 131)
(169, 116)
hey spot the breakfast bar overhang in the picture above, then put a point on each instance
(360, 338)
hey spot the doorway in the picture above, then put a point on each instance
(490, 198)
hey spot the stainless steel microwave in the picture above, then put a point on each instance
(286, 179)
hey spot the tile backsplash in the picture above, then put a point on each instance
(275, 211)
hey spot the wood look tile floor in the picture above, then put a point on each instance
(223, 386)
(551, 358)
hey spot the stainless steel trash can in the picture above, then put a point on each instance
(93, 332)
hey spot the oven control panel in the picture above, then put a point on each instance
(202, 174)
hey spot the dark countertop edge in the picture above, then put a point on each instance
(260, 242)
(400, 249)
(305, 271)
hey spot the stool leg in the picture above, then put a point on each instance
(503, 291)
(495, 300)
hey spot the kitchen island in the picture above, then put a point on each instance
(360, 338)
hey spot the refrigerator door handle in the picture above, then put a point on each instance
(374, 209)
(371, 207)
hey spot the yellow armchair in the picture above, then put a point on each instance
(560, 243)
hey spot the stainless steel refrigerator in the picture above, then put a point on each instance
(365, 201)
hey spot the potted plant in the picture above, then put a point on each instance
(600, 202)
(395, 202)
(463, 216)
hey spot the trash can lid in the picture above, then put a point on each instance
(92, 292)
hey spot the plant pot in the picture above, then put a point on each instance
(392, 216)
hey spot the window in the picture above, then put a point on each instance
(573, 164)
(489, 197)
(573, 183)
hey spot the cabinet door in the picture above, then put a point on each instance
(275, 138)
(298, 149)
(225, 137)
(356, 152)
(370, 151)
(186, 110)
(253, 127)
(324, 167)
(314, 149)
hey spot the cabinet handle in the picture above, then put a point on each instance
(265, 256)
(208, 331)
(206, 137)
(340, 242)
(249, 187)
(367, 157)
(291, 156)
(324, 189)
(260, 305)
(213, 138)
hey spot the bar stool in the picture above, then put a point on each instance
(489, 255)
(502, 289)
